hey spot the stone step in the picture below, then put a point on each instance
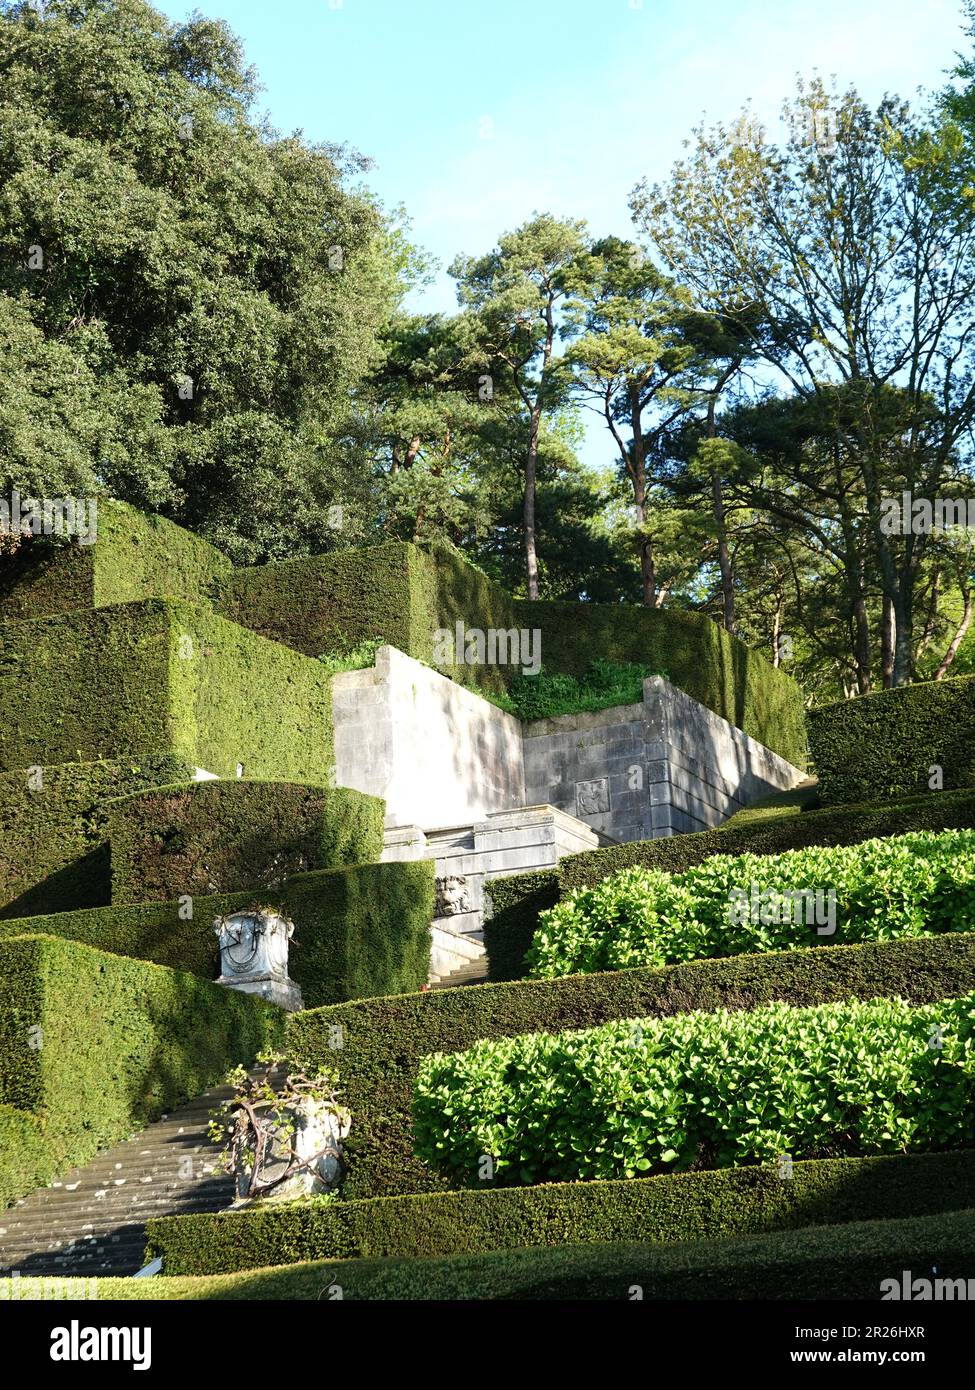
(66, 1229)
(472, 973)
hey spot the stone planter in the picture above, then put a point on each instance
(314, 1130)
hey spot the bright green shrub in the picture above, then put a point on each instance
(93, 1046)
(770, 830)
(601, 686)
(53, 838)
(360, 932)
(888, 744)
(220, 837)
(910, 885)
(661, 1212)
(703, 1090)
(385, 1040)
(141, 680)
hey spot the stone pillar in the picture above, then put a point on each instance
(254, 955)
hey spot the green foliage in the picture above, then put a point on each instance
(53, 837)
(770, 827)
(661, 1211)
(182, 238)
(828, 1262)
(360, 932)
(358, 658)
(385, 1040)
(93, 1046)
(702, 1090)
(219, 837)
(601, 686)
(888, 744)
(169, 677)
(909, 885)
(516, 904)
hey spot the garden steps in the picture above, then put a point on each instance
(66, 1229)
(473, 972)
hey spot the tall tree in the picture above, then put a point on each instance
(633, 362)
(854, 240)
(518, 292)
(214, 291)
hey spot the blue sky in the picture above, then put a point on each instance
(480, 112)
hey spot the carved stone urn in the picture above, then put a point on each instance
(309, 1132)
(254, 955)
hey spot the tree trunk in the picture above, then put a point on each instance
(887, 638)
(528, 510)
(956, 641)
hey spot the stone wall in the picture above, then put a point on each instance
(438, 754)
(638, 772)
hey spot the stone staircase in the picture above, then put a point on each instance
(452, 951)
(92, 1221)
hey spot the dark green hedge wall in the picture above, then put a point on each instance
(807, 1262)
(360, 932)
(136, 556)
(223, 837)
(53, 839)
(385, 1039)
(326, 603)
(666, 1210)
(93, 1046)
(695, 654)
(143, 679)
(519, 899)
(515, 905)
(885, 744)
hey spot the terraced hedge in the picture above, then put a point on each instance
(221, 837)
(53, 838)
(660, 1212)
(886, 744)
(93, 1046)
(519, 899)
(386, 1039)
(139, 680)
(360, 932)
(136, 556)
(695, 654)
(397, 593)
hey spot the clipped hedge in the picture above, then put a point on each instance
(908, 885)
(360, 932)
(93, 1046)
(136, 556)
(221, 837)
(887, 744)
(138, 680)
(761, 830)
(516, 903)
(396, 593)
(702, 1090)
(385, 1040)
(53, 839)
(699, 657)
(831, 1262)
(658, 1211)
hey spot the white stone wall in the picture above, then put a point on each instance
(442, 756)
(438, 754)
